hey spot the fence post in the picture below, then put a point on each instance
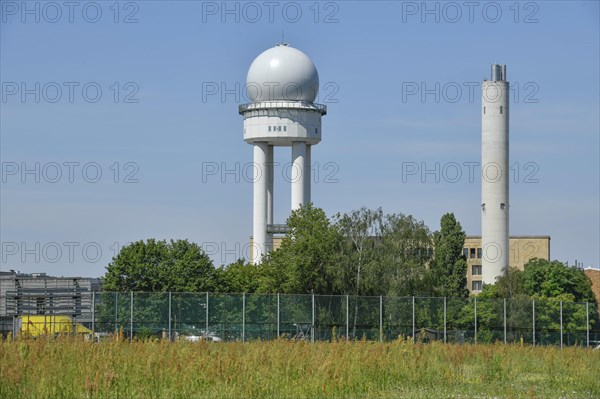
(533, 317)
(225, 315)
(561, 324)
(312, 334)
(380, 318)
(445, 334)
(347, 319)
(278, 332)
(244, 317)
(131, 319)
(475, 312)
(587, 323)
(206, 321)
(93, 314)
(116, 312)
(504, 320)
(170, 314)
(413, 320)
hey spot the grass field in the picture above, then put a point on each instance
(67, 368)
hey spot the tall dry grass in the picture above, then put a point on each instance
(72, 368)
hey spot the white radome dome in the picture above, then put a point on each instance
(282, 73)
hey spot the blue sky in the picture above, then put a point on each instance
(158, 127)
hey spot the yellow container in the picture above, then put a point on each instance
(38, 325)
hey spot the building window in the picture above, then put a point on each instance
(466, 252)
(316, 130)
(472, 253)
(269, 128)
(285, 128)
(476, 270)
(484, 110)
(476, 285)
(501, 110)
(279, 128)
(479, 253)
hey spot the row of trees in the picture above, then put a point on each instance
(363, 252)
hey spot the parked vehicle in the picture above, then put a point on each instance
(212, 337)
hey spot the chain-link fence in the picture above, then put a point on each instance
(245, 317)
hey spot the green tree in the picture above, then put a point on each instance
(542, 279)
(404, 256)
(239, 277)
(508, 285)
(548, 283)
(307, 257)
(360, 231)
(161, 266)
(449, 266)
(549, 279)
